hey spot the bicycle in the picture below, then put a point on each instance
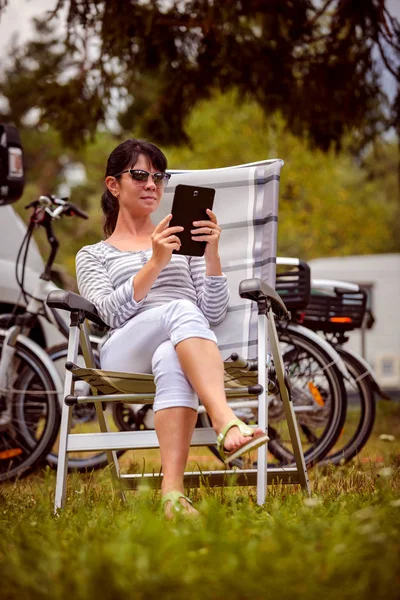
(316, 372)
(30, 385)
(335, 309)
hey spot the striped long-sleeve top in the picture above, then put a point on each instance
(106, 278)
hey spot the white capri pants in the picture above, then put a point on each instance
(146, 344)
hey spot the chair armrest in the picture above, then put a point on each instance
(74, 303)
(257, 290)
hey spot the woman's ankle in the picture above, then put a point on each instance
(220, 422)
(172, 486)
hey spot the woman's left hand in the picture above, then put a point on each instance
(208, 231)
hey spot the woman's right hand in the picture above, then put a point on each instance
(164, 241)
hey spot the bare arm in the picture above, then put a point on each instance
(164, 241)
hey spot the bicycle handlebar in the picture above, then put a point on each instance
(46, 209)
(62, 207)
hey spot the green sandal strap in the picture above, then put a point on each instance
(244, 430)
(174, 498)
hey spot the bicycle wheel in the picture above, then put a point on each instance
(319, 399)
(84, 419)
(28, 431)
(360, 417)
(318, 395)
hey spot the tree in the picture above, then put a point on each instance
(319, 63)
(44, 76)
(330, 204)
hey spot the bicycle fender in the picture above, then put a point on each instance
(48, 363)
(312, 336)
(368, 370)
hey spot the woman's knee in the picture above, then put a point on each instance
(172, 387)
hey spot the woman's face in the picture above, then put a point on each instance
(138, 198)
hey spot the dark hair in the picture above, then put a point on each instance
(124, 157)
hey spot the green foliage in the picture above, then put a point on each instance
(330, 205)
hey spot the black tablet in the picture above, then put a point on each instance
(190, 204)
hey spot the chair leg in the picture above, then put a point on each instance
(262, 463)
(62, 463)
(287, 403)
(112, 458)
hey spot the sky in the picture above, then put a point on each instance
(17, 17)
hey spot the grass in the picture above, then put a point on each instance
(343, 542)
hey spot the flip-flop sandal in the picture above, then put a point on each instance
(174, 498)
(257, 440)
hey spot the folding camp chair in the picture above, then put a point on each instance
(246, 203)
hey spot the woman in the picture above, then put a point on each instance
(159, 306)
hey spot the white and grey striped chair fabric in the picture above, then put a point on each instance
(246, 205)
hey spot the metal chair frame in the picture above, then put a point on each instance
(268, 304)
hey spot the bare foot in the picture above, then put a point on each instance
(187, 509)
(235, 439)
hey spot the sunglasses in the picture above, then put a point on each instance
(143, 176)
